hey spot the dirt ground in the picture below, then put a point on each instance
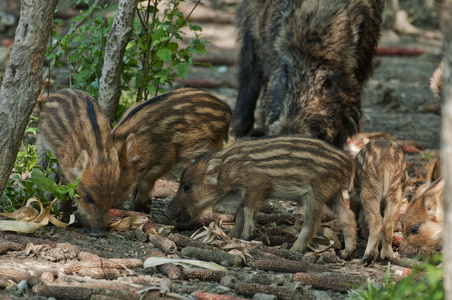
(397, 101)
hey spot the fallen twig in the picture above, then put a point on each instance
(288, 254)
(203, 274)
(72, 292)
(183, 241)
(6, 246)
(325, 282)
(213, 255)
(163, 243)
(288, 266)
(250, 289)
(24, 240)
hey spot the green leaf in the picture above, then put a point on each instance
(43, 182)
(165, 54)
(182, 70)
(158, 34)
(195, 28)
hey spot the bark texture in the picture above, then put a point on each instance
(109, 82)
(22, 82)
(447, 146)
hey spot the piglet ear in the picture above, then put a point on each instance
(433, 201)
(80, 164)
(212, 171)
(434, 171)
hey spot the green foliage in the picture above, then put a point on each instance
(154, 56)
(426, 282)
(83, 48)
(28, 180)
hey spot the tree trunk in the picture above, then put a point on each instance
(22, 82)
(447, 146)
(109, 83)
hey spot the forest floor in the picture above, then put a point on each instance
(397, 102)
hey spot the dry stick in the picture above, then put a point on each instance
(204, 274)
(325, 283)
(100, 273)
(171, 270)
(258, 254)
(209, 296)
(72, 292)
(183, 241)
(6, 246)
(163, 243)
(288, 254)
(15, 275)
(288, 266)
(217, 256)
(250, 289)
(118, 264)
(24, 240)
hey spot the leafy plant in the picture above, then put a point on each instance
(425, 282)
(28, 180)
(154, 57)
(83, 47)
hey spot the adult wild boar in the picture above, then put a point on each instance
(307, 60)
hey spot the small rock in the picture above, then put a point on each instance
(321, 295)
(261, 296)
(229, 281)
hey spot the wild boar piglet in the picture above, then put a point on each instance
(422, 223)
(309, 171)
(377, 194)
(162, 135)
(74, 128)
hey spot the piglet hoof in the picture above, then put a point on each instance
(345, 253)
(244, 238)
(367, 260)
(98, 233)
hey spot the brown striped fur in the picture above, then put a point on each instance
(164, 133)
(308, 171)
(422, 224)
(377, 195)
(307, 61)
(76, 131)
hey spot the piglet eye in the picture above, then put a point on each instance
(414, 229)
(88, 198)
(187, 187)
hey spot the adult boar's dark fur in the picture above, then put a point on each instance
(308, 59)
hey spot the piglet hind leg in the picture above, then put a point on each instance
(392, 207)
(252, 198)
(312, 220)
(371, 203)
(347, 221)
